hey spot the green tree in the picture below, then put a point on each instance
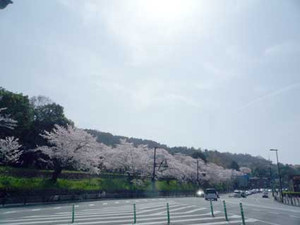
(199, 155)
(234, 165)
(18, 108)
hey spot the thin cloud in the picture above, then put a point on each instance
(269, 95)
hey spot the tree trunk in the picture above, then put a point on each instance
(55, 174)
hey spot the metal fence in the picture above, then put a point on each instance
(26, 199)
(288, 199)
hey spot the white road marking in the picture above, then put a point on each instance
(268, 222)
(57, 208)
(116, 202)
(264, 207)
(294, 216)
(91, 205)
(8, 212)
(34, 210)
(124, 220)
(194, 210)
(105, 203)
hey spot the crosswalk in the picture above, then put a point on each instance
(122, 213)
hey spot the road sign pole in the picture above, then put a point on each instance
(225, 210)
(73, 213)
(134, 214)
(242, 214)
(168, 213)
(212, 209)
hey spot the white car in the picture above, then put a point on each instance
(237, 194)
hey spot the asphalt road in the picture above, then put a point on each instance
(185, 211)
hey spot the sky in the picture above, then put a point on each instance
(220, 75)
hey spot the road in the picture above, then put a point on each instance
(185, 211)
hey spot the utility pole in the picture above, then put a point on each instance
(271, 178)
(280, 184)
(153, 173)
(197, 171)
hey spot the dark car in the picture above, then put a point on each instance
(265, 194)
(243, 194)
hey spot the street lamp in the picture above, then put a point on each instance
(280, 184)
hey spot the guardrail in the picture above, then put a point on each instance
(26, 199)
(288, 200)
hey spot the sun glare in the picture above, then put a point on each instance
(164, 10)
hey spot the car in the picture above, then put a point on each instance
(237, 194)
(265, 194)
(200, 193)
(243, 194)
(211, 194)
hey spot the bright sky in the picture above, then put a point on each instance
(219, 75)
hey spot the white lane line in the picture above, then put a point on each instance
(76, 206)
(207, 223)
(173, 210)
(194, 210)
(294, 216)
(92, 217)
(268, 222)
(116, 202)
(123, 220)
(8, 212)
(35, 210)
(105, 203)
(127, 201)
(117, 211)
(91, 205)
(57, 208)
(264, 207)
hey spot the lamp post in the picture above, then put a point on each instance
(271, 179)
(280, 184)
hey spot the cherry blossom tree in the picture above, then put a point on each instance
(6, 121)
(137, 162)
(126, 158)
(191, 167)
(245, 170)
(71, 147)
(9, 150)
(175, 169)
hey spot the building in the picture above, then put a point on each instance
(295, 183)
(259, 182)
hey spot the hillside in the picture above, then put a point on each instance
(220, 158)
(259, 166)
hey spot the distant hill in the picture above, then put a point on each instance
(220, 158)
